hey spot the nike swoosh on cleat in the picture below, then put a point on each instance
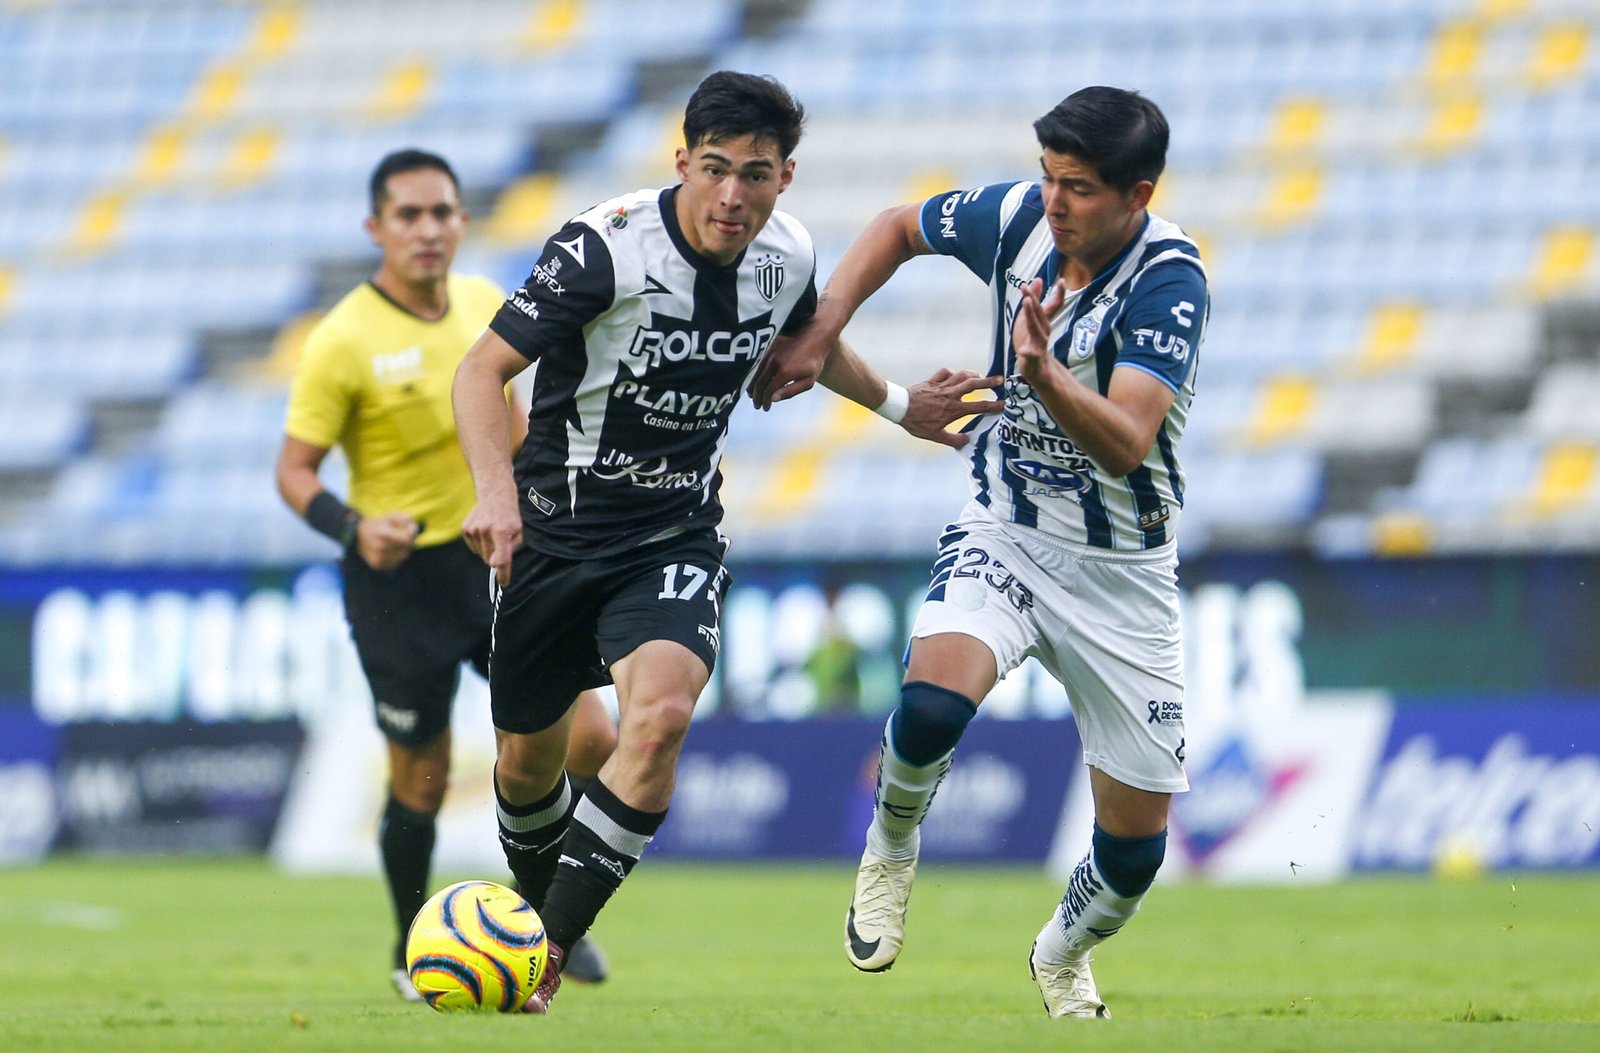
(860, 949)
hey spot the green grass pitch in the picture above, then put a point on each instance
(200, 955)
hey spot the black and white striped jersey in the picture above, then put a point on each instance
(644, 347)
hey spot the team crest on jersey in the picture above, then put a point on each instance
(769, 276)
(1086, 330)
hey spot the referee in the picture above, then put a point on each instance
(374, 379)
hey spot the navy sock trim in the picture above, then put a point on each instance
(928, 722)
(1129, 864)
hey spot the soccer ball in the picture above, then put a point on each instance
(476, 945)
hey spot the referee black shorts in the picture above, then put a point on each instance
(562, 623)
(413, 626)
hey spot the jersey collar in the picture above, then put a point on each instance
(669, 220)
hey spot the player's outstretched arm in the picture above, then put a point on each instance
(790, 368)
(493, 529)
(925, 409)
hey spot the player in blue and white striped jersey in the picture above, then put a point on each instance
(1066, 551)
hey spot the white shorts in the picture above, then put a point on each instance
(1104, 623)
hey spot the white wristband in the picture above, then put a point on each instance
(895, 403)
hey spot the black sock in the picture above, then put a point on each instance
(605, 840)
(531, 836)
(405, 840)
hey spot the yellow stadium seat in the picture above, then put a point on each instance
(1294, 198)
(162, 155)
(1559, 55)
(251, 157)
(1297, 126)
(1457, 52)
(522, 213)
(793, 482)
(275, 33)
(1283, 409)
(1397, 534)
(1392, 335)
(98, 223)
(1564, 259)
(403, 90)
(1456, 123)
(1566, 477)
(551, 24)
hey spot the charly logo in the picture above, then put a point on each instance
(769, 276)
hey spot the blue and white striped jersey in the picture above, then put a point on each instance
(1146, 309)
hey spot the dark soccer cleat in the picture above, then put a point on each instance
(586, 962)
(549, 983)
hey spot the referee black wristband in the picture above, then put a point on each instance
(332, 517)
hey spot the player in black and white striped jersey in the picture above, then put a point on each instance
(648, 315)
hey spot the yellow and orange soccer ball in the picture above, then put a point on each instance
(476, 946)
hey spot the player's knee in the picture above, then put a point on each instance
(527, 767)
(1129, 864)
(929, 721)
(420, 791)
(658, 724)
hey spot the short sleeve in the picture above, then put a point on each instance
(322, 394)
(804, 308)
(966, 224)
(1162, 328)
(571, 285)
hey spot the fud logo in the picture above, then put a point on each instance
(769, 276)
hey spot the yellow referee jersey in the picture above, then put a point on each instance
(375, 379)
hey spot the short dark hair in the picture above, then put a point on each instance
(407, 160)
(1119, 133)
(728, 105)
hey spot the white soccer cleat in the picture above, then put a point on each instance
(404, 987)
(875, 928)
(1067, 987)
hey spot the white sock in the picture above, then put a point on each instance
(1087, 915)
(904, 794)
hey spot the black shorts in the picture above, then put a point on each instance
(562, 622)
(413, 627)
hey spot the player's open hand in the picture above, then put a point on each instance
(1030, 333)
(384, 542)
(941, 400)
(493, 530)
(790, 366)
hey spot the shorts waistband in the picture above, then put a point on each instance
(1079, 550)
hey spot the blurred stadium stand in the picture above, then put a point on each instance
(1396, 199)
